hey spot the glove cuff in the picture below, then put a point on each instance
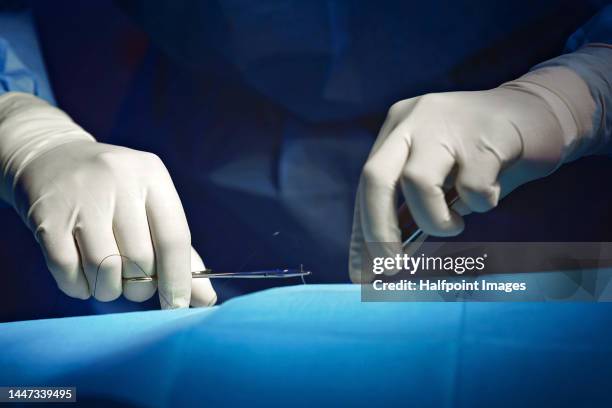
(569, 100)
(29, 127)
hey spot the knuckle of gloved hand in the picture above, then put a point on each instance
(155, 166)
(110, 158)
(153, 160)
(373, 176)
(413, 176)
(61, 262)
(479, 196)
(397, 109)
(433, 99)
(36, 221)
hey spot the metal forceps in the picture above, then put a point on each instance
(411, 233)
(264, 274)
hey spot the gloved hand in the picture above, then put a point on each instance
(99, 212)
(484, 143)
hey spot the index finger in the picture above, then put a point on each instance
(378, 189)
(375, 226)
(171, 243)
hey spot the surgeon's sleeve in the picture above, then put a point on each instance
(589, 54)
(14, 75)
(22, 68)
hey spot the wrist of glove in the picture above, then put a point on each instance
(29, 127)
(568, 98)
(553, 113)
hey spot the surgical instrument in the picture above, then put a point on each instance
(411, 233)
(263, 274)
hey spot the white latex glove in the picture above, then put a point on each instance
(99, 212)
(484, 143)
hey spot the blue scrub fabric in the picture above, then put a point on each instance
(21, 65)
(319, 345)
(597, 30)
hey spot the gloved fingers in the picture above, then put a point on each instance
(422, 181)
(354, 261)
(171, 243)
(356, 246)
(100, 257)
(377, 189)
(477, 182)
(202, 292)
(377, 193)
(62, 258)
(133, 238)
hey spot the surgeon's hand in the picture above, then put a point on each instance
(484, 144)
(100, 212)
